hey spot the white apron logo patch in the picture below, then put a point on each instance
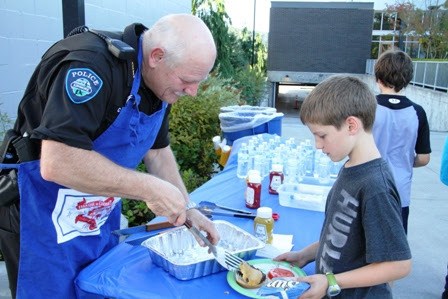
(79, 214)
(82, 85)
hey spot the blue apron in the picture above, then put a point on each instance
(63, 230)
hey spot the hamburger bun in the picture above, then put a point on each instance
(249, 277)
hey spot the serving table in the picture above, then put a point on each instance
(127, 271)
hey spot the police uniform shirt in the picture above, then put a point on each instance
(78, 90)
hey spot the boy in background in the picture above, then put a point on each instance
(401, 129)
(362, 244)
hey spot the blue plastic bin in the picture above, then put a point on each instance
(271, 127)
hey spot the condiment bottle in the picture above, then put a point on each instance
(225, 152)
(217, 145)
(276, 178)
(264, 225)
(253, 190)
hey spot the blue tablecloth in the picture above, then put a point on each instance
(127, 271)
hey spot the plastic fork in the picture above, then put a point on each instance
(226, 259)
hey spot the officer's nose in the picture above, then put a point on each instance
(192, 89)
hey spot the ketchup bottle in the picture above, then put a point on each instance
(276, 178)
(253, 190)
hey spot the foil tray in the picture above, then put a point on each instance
(178, 252)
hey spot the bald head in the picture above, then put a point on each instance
(178, 53)
(182, 37)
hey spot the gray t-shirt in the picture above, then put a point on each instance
(362, 225)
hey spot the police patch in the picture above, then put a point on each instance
(82, 85)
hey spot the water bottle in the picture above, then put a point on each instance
(323, 170)
(243, 161)
(259, 164)
(309, 157)
(291, 170)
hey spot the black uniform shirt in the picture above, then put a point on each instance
(49, 112)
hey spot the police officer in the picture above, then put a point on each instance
(98, 110)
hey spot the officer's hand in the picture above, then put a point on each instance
(197, 219)
(168, 201)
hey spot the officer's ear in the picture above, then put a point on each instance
(156, 56)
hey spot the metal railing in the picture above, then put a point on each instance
(427, 74)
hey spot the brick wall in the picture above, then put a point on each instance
(29, 28)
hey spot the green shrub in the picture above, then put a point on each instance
(194, 122)
(251, 84)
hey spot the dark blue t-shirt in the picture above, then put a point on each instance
(362, 225)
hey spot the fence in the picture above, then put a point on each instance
(427, 74)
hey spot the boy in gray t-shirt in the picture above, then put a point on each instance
(362, 245)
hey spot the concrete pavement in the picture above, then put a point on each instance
(428, 223)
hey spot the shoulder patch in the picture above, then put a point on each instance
(82, 85)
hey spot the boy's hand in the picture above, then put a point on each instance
(294, 257)
(318, 286)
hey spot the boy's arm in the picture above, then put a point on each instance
(374, 274)
(366, 276)
(421, 160)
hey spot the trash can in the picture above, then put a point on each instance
(240, 121)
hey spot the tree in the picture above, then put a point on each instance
(214, 15)
(234, 60)
(234, 47)
(429, 25)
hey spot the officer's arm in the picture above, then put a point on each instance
(88, 171)
(162, 163)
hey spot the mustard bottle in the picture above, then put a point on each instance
(264, 225)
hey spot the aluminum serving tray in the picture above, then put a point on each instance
(178, 252)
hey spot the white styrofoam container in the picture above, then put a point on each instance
(303, 196)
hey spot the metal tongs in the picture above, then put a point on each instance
(213, 206)
(209, 208)
(226, 259)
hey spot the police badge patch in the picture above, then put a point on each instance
(82, 85)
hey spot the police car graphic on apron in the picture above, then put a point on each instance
(63, 230)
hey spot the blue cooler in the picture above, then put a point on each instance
(273, 126)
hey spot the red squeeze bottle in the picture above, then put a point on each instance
(253, 190)
(276, 177)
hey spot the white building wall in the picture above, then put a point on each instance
(29, 27)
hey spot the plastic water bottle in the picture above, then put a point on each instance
(309, 157)
(259, 164)
(291, 170)
(323, 170)
(243, 161)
